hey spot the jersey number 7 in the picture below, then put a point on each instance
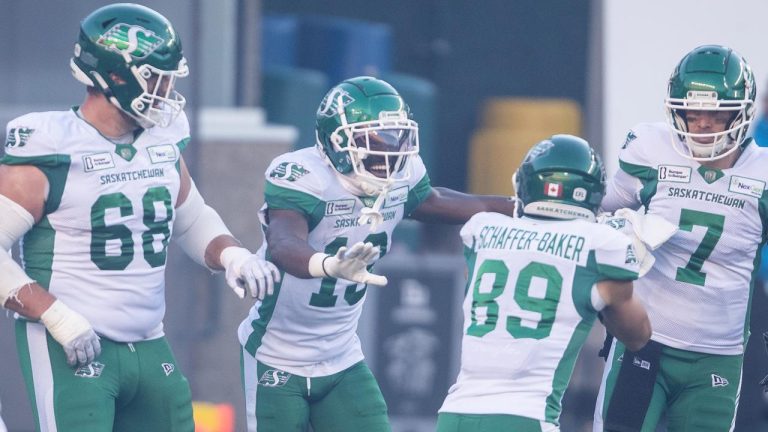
(714, 223)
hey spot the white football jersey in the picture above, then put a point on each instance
(528, 310)
(309, 326)
(698, 292)
(101, 245)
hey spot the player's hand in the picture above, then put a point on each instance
(651, 229)
(625, 226)
(245, 270)
(647, 231)
(352, 264)
(73, 332)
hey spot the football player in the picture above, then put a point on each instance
(536, 285)
(699, 172)
(96, 193)
(329, 214)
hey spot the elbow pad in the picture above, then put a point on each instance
(15, 220)
(196, 225)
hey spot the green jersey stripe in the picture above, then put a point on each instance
(259, 325)
(564, 370)
(55, 167)
(417, 195)
(282, 198)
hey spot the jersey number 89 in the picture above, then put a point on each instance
(546, 307)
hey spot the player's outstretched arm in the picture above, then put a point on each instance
(624, 316)
(287, 238)
(23, 191)
(203, 236)
(448, 206)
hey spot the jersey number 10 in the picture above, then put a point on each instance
(326, 297)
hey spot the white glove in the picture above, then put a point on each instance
(647, 231)
(73, 332)
(247, 270)
(652, 229)
(350, 264)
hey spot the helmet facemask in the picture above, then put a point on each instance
(159, 103)
(379, 150)
(723, 143)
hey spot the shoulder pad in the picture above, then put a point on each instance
(301, 170)
(35, 134)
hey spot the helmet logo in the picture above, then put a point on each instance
(554, 190)
(579, 194)
(134, 40)
(329, 107)
(540, 149)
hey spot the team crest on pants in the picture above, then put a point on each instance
(91, 370)
(274, 378)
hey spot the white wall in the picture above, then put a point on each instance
(643, 42)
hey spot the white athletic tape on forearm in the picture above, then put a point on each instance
(315, 267)
(196, 225)
(14, 222)
(64, 324)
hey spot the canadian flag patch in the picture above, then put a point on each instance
(554, 190)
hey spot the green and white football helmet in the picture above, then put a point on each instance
(133, 55)
(711, 78)
(366, 131)
(561, 178)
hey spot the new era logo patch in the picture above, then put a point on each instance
(718, 381)
(168, 368)
(554, 190)
(645, 364)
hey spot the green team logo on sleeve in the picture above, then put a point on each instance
(135, 40)
(17, 137)
(290, 171)
(630, 137)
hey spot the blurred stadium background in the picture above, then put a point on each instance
(486, 80)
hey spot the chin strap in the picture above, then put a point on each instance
(373, 215)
